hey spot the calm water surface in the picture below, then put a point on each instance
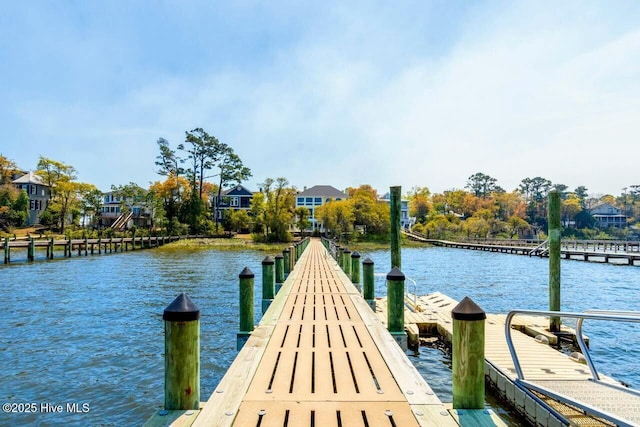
(89, 331)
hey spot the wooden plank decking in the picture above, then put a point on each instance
(321, 357)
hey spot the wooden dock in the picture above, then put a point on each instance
(321, 357)
(621, 253)
(540, 362)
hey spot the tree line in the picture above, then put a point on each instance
(194, 173)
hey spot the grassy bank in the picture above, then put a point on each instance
(232, 244)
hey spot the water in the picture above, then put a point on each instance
(89, 331)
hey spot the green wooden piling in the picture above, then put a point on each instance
(268, 283)
(246, 306)
(468, 355)
(396, 237)
(355, 269)
(31, 249)
(86, 252)
(7, 251)
(50, 248)
(133, 240)
(182, 355)
(555, 233)
(70, 246)
(286, 253)
(368, 290)
(395, 306)
(279, 272)
(339, 257)
(346, 262)
(292, 256)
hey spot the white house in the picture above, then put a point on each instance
(39, 194)
(316, 196)
(607, 215)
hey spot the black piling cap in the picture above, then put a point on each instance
(347, 251)
(355, 255)
(247, 274)
(182, 309)
(268, 261)
(468, 310)
(395, 275)
(368, 261)
(279, 256)
(287, 250)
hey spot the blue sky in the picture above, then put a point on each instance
(411, 93)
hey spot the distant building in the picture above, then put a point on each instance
(39, 194)
(316, 196)
(406, 222)
(238, 197)
(113, 215)
(607, 215)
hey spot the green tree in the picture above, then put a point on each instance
(419, 203)
(230, 171)
(482, 185)
(302, 218)
(238, 220)
(279, 207)
(7, 169)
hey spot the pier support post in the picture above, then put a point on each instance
(50, 251)
(268, 283)
(355, 270)
(395, 306)
(396, 237)
(468, 355)
(182, 355)
(346, 262)
(555, 235)
(7, 251)
(292, 257)
(368, 283)
(31, 249)
(286, 254)
(246, 306)
(279, 272)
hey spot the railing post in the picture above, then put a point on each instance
(395, 306)
(555, 236)
(292, 257)
(246, 306)
(268, 283)
(396, 237)
(368, 283)
(468, 355)
(286, 253)
(355, 270)
(182, 354)
(279, 272)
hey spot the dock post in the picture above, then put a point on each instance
(70, 246)
(292, 256)
(50, 248)
(395, 306)
(246, 307)
(7, 251)
(279, 272)
(31, 249)
(133, 240)
(268, 283)
(468, 355)
(396, 237)
(368, 283)
(346, 262)
(355, 270)
(85, 247)
(287, 262)
(555, 236)
(182, 355)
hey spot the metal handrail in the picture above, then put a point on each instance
(546, 242)
(624, 316)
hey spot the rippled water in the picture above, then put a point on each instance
(90, 331)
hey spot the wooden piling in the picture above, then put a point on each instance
(395, 306)
(346, 262)
(31, 249)
(468, 355)
(268, 283)
(246, 306)
(279, 272)
(286, 253)
(355, 269)
(50, 248)
(555, 236)
(182, 355)
(368, 289)
(396, 237)
(7, 251)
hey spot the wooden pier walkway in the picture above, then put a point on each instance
(540, 363)
(320, 357)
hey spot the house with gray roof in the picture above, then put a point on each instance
(39, 194)
(318, 195)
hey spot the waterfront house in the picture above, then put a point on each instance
(315, 196)
(406, 222)
(122, 214)
(607, 215)
(39, 195)
(238, 197)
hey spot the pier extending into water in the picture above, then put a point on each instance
(320, 356)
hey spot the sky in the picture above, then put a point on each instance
(411, 93)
